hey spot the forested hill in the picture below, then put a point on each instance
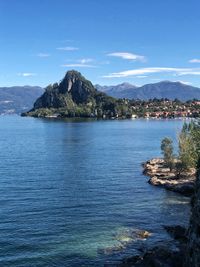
(76, 96)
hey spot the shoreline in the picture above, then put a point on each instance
(105, 117)
(164, 177)
(168, 254)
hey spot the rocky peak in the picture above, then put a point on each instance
(76, 85)
(73, 87)
(72, 79)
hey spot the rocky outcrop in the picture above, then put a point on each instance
(73, 88)
(185, 253)
(178, 232)
(160, 256)
(166, 254)
(192, 258)
(75, 96)
(76, 85)
(169, 179)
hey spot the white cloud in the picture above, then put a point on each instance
(141, 76)
(81, 63)
(128, 56)
(26, 74)
(189, 72)
(145, 71)
(85, 60)
(194, 60)
(78, 65)
(43, 55)
(68, 48)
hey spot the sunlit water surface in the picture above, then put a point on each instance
(69, 190)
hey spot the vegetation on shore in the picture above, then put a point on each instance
(177, 172)
(189, 149)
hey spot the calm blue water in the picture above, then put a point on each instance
(67, 189)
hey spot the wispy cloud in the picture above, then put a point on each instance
(188, 72)
(43, 55)
(145, 71)
(194, 60)
(141, 76)
(85, 60)
(78, 65)
(81, 63)
(67, 48)
(128, 56)
(26, 74)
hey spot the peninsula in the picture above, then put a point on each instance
(76, 96)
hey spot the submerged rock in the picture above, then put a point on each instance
(143, 234)
(131, 235)
(125, 237)
(113, 249)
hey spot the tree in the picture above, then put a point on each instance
(167, 151)
(189, 145)
(195, 132)
(189, 149)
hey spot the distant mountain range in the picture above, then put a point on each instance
(17, 99)
(164, 89)
(123, 90)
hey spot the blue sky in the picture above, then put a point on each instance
(108, 41)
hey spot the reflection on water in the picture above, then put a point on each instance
(73, 193)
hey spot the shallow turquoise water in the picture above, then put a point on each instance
(69, 188)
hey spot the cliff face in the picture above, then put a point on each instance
(79, 88)
(193, 246)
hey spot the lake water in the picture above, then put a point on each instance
(69, 189)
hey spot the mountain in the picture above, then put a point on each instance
(17, 99)
(164, 89)
(123, 90)
(167, 89)
(80, 96)
(75, 96)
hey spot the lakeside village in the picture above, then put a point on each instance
(155, 108)
(165, 108)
